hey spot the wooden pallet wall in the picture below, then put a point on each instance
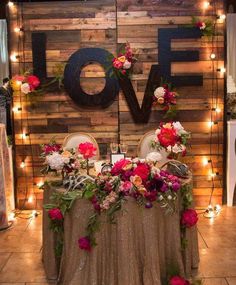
(108, 24)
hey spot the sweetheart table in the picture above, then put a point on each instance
(139, 249)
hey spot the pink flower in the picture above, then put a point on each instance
(177, 280)
(200, 25)
(189, 218)
(20, 78)
(33, 82)
(119, 166)
(167, 136)
(84, 243)
(142, 170)
(87, 149)
(55, 214)
(117, 64)
(125, 186)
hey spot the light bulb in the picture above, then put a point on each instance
(11, 216)
(17, 30)
(34, 213)
(14, 57)
(213, 56)
(22, 165)
(217, 208)
(213, 175)
(205, 161)
(16, 109)
(30, 199)
(206, 4)
(221, 17)
(40, 184)
(10, 4)
(218, 110)
(24, 136)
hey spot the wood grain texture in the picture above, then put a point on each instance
(71, 25)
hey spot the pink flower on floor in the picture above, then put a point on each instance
(55, 214)
(189, 218)
(84, 243)
(87, 149)
(177, 280)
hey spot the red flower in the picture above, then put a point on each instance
(20, 78)
(200, 24)
(189, 218)
(47, 148)
(55, 214)
(118, 167)
(84, 243)
(177, 280)
(142, 170)
(117, 64)
(33, 81)
(87, 149)
(167, 136)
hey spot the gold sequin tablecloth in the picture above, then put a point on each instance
(137, 250)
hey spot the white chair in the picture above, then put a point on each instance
(144, 146)
(73, 140)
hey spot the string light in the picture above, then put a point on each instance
(222, 69)
(217, 110)
(30, 199)
(40, 184)
(10, 4)
(221, 17)
(213, 56)
(211, 123)
(205, 161)
(22, 165)
(24, 135)
(206, 4)
(16, 109)
(14, 57)
(18, 29)
(11, 217)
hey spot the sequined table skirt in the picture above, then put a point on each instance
(139, 249)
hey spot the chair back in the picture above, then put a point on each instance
(144, 147)
(73, 140)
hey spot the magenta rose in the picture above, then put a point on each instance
(117, 64)
(33, 82)
(87, 149)
(49, 148)
(84, 243)
(142, 170)
(189, 218)
(177, 280)
(55, 214)
(118, 167)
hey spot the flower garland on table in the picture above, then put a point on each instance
(167, 99)
(206, 27)
(173, 138)
(123, 64)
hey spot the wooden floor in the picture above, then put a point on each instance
(20, 251)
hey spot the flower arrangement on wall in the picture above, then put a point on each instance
(27, 83)
(165, 97)
(206, 27)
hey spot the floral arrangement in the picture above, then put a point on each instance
(68, 162)
(26, 83)
(166, 98)
(173, 138)
(123, 64)
(206, 27)
(178, 280)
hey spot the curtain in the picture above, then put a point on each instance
(4, 65)
(231, 49)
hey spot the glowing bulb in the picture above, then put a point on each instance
(30, 199)
(213, 175)
(24, 136)
(22, 165)
(218, 110)
(34, 213)
(206, 4)
(14, 57)
(221, 17)
(16, 109)
(217, 208)
(10, 4)
(210, 124)
(213, 56)
(205, 161)
(11, 216)
(222, 69)
(40, 184)
(17, 30)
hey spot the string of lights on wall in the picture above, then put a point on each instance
(29, 194)
(213, 122)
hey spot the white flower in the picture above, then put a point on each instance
(155, 170)
(169, 148)
(203, 26)
(154, 156)
(56, 161)
(25, 88)
(179, 128)
(176, 148)
(127, 64)
(159, 92)
(169, 197)
(157, 132)
(160, 198)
